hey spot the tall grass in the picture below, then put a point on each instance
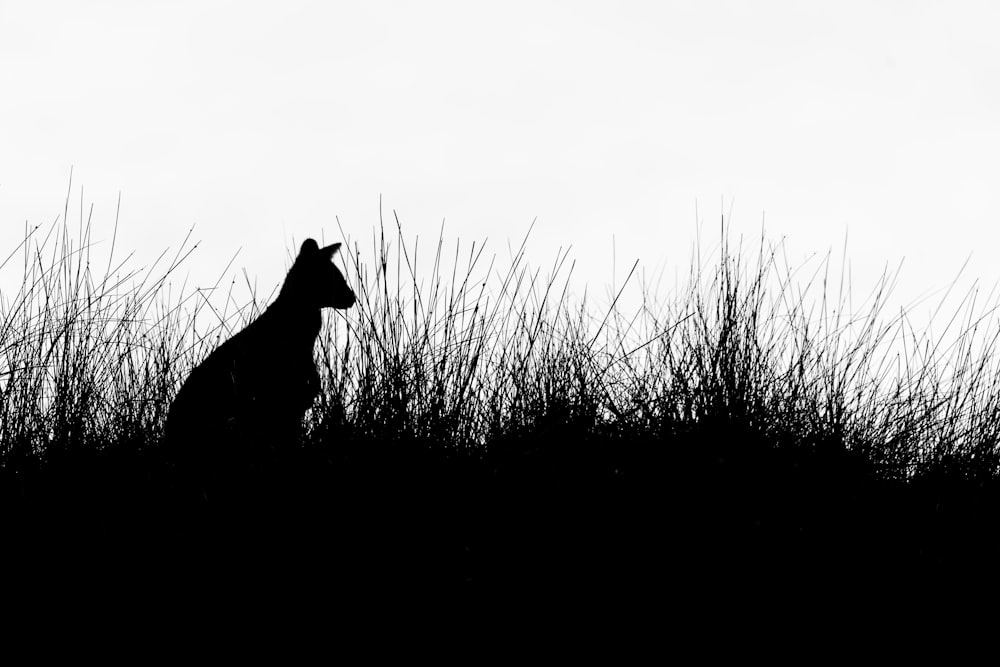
(468, 355)
(91, 354)
(458, 353)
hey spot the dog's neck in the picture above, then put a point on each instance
(298, 319)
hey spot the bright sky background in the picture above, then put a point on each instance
(258, 123)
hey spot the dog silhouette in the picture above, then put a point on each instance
(245, 402)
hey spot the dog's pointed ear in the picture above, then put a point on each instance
(309, 247)
(330, 250)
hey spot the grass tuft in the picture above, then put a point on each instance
(491, 422)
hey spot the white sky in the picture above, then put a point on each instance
(258, 123)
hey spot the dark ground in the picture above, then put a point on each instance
(701, 517)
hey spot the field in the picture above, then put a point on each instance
(482, 427)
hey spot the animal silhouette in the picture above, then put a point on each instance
(246, 401)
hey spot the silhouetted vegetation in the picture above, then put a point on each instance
(482, 426)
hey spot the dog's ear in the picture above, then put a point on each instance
(309, 247)
(330, 250)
